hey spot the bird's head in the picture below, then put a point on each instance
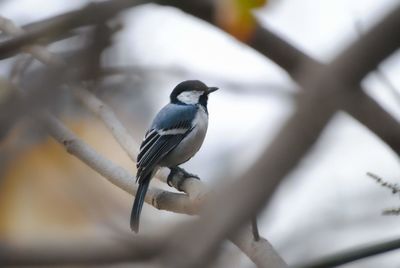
(191, 92)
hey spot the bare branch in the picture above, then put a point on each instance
(379, 72)
(391, 211)
(15, 105)
(54, 27)
(84, 253)
(383, 77)
(262, 252)
(393, 187)
(353, 255)
(40, 53)
(371, 51)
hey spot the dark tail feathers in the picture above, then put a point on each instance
(138, 204)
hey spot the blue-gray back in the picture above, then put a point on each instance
(174, 115)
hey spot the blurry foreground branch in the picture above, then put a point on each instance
(52, 28)
(353, 255)
(86, 253)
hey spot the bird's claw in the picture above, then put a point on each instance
(180, 175)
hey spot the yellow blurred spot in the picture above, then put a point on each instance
(235, 17)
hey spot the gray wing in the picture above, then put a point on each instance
(169, 128)
(154, 148)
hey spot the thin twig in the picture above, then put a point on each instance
(254, 228)
(393, 187)
(54, 27)
(391, 211)
(41, 54)
(351, 255)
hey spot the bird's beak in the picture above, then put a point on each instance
(211, 90)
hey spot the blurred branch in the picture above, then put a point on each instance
(353, 255)
(20, 66)
(82, 253)
(386, 81)
(328, 88)
(379, 72)
(254, 228)
(51, 28)
(16, 105)
(394, 188)
(8, 27)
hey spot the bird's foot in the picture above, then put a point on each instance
(177, 176)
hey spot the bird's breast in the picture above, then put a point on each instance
(189, 146)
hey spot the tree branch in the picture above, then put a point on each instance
(353, 255)
(8, 27)
(56, 26)
(86, 253)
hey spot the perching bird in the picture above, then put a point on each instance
(176, 134)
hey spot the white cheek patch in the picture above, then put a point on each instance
(190, 97)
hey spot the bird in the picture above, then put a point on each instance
(175, 135)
